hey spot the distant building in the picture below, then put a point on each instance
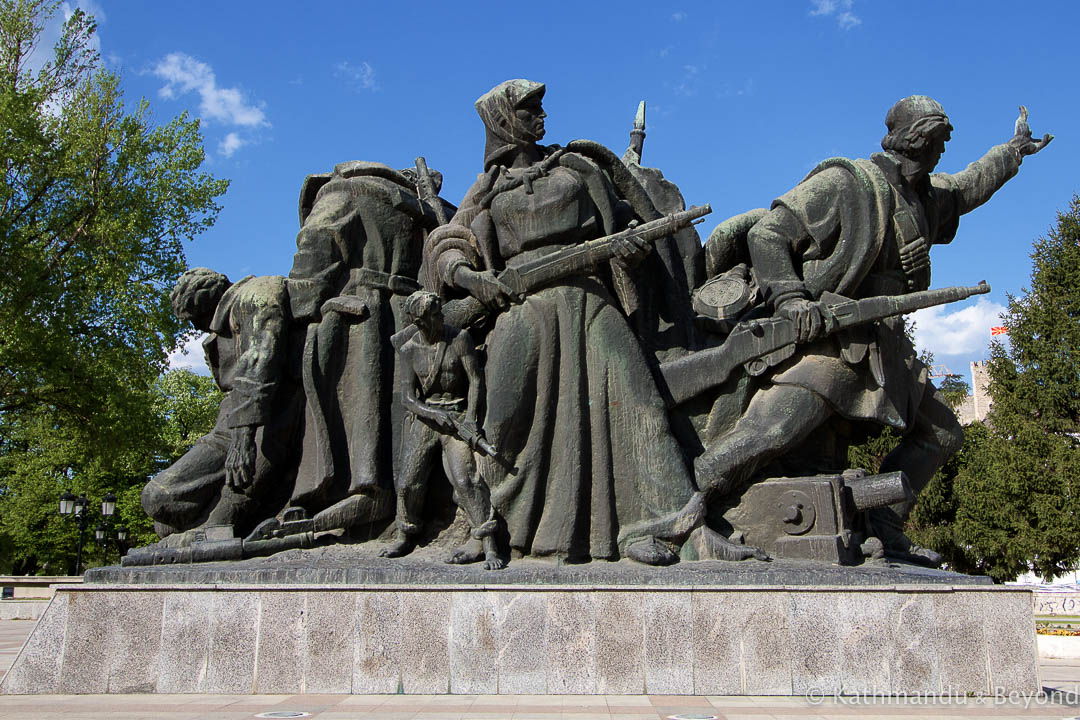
(975, 406)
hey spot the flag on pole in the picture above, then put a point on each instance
(999, 330)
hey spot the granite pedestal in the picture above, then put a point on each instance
(370, 626)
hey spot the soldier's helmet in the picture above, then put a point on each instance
(197, 294)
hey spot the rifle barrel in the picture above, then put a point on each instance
(545, 269)
(692, 374)
(426, 189)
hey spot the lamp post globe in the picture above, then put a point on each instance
(108, 505)
(67, 503)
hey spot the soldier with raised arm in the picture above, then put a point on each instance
(860, 228)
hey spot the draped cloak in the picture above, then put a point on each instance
(570, 398)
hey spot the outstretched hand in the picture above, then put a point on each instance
(1022, 140)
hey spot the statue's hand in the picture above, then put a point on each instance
(807, 316)
(1022, 140)
(485, 287)
(631, 250)
(442, 419)
(240, 461)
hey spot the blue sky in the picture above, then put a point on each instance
(743, 99)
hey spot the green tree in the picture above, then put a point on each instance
(96, 202)
(1010, 503)
(186, 404)
(954, 388)
(42, 459)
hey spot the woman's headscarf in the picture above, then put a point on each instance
(496, 109)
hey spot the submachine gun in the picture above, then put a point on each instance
(762, 343)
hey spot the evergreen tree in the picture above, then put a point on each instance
(1010, 501)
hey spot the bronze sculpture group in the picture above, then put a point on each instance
(591, 381)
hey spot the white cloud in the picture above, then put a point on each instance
(839, 9)
(688, 84)
(231, 144)
(190, 356)
(678, 16)
(361, 76)
(183, 74)
(959, 332)
(229, 106)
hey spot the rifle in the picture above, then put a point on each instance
(425, 188)
(475, 439)
(217, 550)
(544, 270)
(577, 259)
(759, 344)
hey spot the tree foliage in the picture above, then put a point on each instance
(42, 459)
(1009, 502)
(96, 202)
(954, 389)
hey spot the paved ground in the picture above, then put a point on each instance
(1058, 675)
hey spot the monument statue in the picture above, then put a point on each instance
(440, 389)
(557, 387)
(358, 256)
(589, 381)
(859, 228)
(243, 470)
(571, 401)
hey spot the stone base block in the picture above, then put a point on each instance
(511, 639)
(22, 609)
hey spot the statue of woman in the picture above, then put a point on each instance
(570, 399)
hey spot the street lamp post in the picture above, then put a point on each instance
(77, 509)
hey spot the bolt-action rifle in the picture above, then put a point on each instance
(575, 260)
(759, 344)
(587, 256)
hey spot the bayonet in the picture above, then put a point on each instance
(637, 134)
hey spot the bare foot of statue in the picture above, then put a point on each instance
(492, 561)
(400, 546)
(651, 552)
(470, 552)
